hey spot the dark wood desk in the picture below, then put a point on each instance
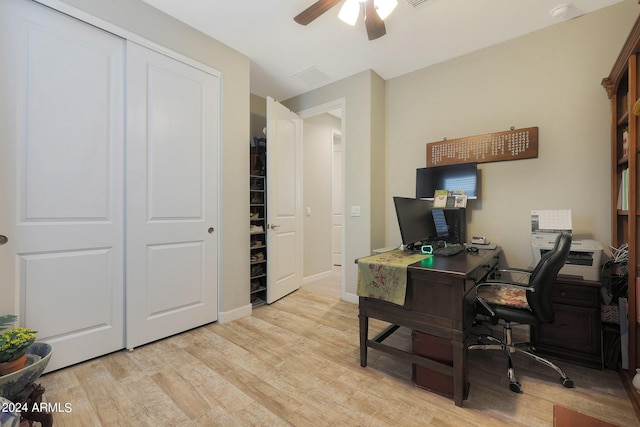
(438, 303)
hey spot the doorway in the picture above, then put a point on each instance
(323, 197)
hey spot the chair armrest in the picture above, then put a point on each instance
(511, 275)
(484, 304)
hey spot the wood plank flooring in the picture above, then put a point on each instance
(296, 363)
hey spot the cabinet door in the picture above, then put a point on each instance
(574, 328)
(61, 188)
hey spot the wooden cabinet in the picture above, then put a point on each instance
(575, 334)
(623, 91)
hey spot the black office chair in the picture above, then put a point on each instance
(522, 302)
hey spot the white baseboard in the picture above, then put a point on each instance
(353, 298)
(315, 277)
(238, 313)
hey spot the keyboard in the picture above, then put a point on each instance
(449, 250)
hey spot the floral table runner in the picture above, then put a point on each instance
(384, 276)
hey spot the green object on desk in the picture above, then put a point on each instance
(384, 276)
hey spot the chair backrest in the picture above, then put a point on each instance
(544, 276)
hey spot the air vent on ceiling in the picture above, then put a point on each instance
(419, 4)
(312, 76)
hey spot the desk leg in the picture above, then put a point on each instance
(364, 334)
(459, 372)
(458, 378)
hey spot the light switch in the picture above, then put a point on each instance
(355, 210)
(308, 210)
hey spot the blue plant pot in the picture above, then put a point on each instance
(38, 356)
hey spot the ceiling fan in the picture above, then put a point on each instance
(375, 11)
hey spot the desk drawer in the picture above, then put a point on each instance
(482, 271)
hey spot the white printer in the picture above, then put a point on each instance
(584, 257)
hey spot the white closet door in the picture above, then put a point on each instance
(61, 186)
(172, 144)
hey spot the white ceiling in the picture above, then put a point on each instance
(327, 50)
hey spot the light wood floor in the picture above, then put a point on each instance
(296, 362)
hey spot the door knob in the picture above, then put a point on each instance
(3, 239)
(211, 230)
(274, 226)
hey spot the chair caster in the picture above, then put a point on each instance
(567, 382)
(515, 387)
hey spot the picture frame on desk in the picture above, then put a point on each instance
(460, 201)
(440, 198)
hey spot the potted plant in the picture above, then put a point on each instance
(13, 345)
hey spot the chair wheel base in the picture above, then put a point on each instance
(567, 382)
(515, 387)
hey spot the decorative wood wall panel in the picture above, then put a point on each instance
(514, 144)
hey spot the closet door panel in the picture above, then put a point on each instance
(62, 132)
(172, 143)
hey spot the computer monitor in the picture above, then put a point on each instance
(449, 177)
(415, 220)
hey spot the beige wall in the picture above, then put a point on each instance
(378, 162)
(550, 79)
(258, 121)
(141, 19)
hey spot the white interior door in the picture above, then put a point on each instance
(284, 201)
(172, 144)
(61, 186)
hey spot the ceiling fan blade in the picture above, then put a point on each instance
(375, 25)
(315, 10)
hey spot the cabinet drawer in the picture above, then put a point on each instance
(584, 294)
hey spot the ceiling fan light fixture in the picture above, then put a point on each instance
(349, 12)
(385, 7)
